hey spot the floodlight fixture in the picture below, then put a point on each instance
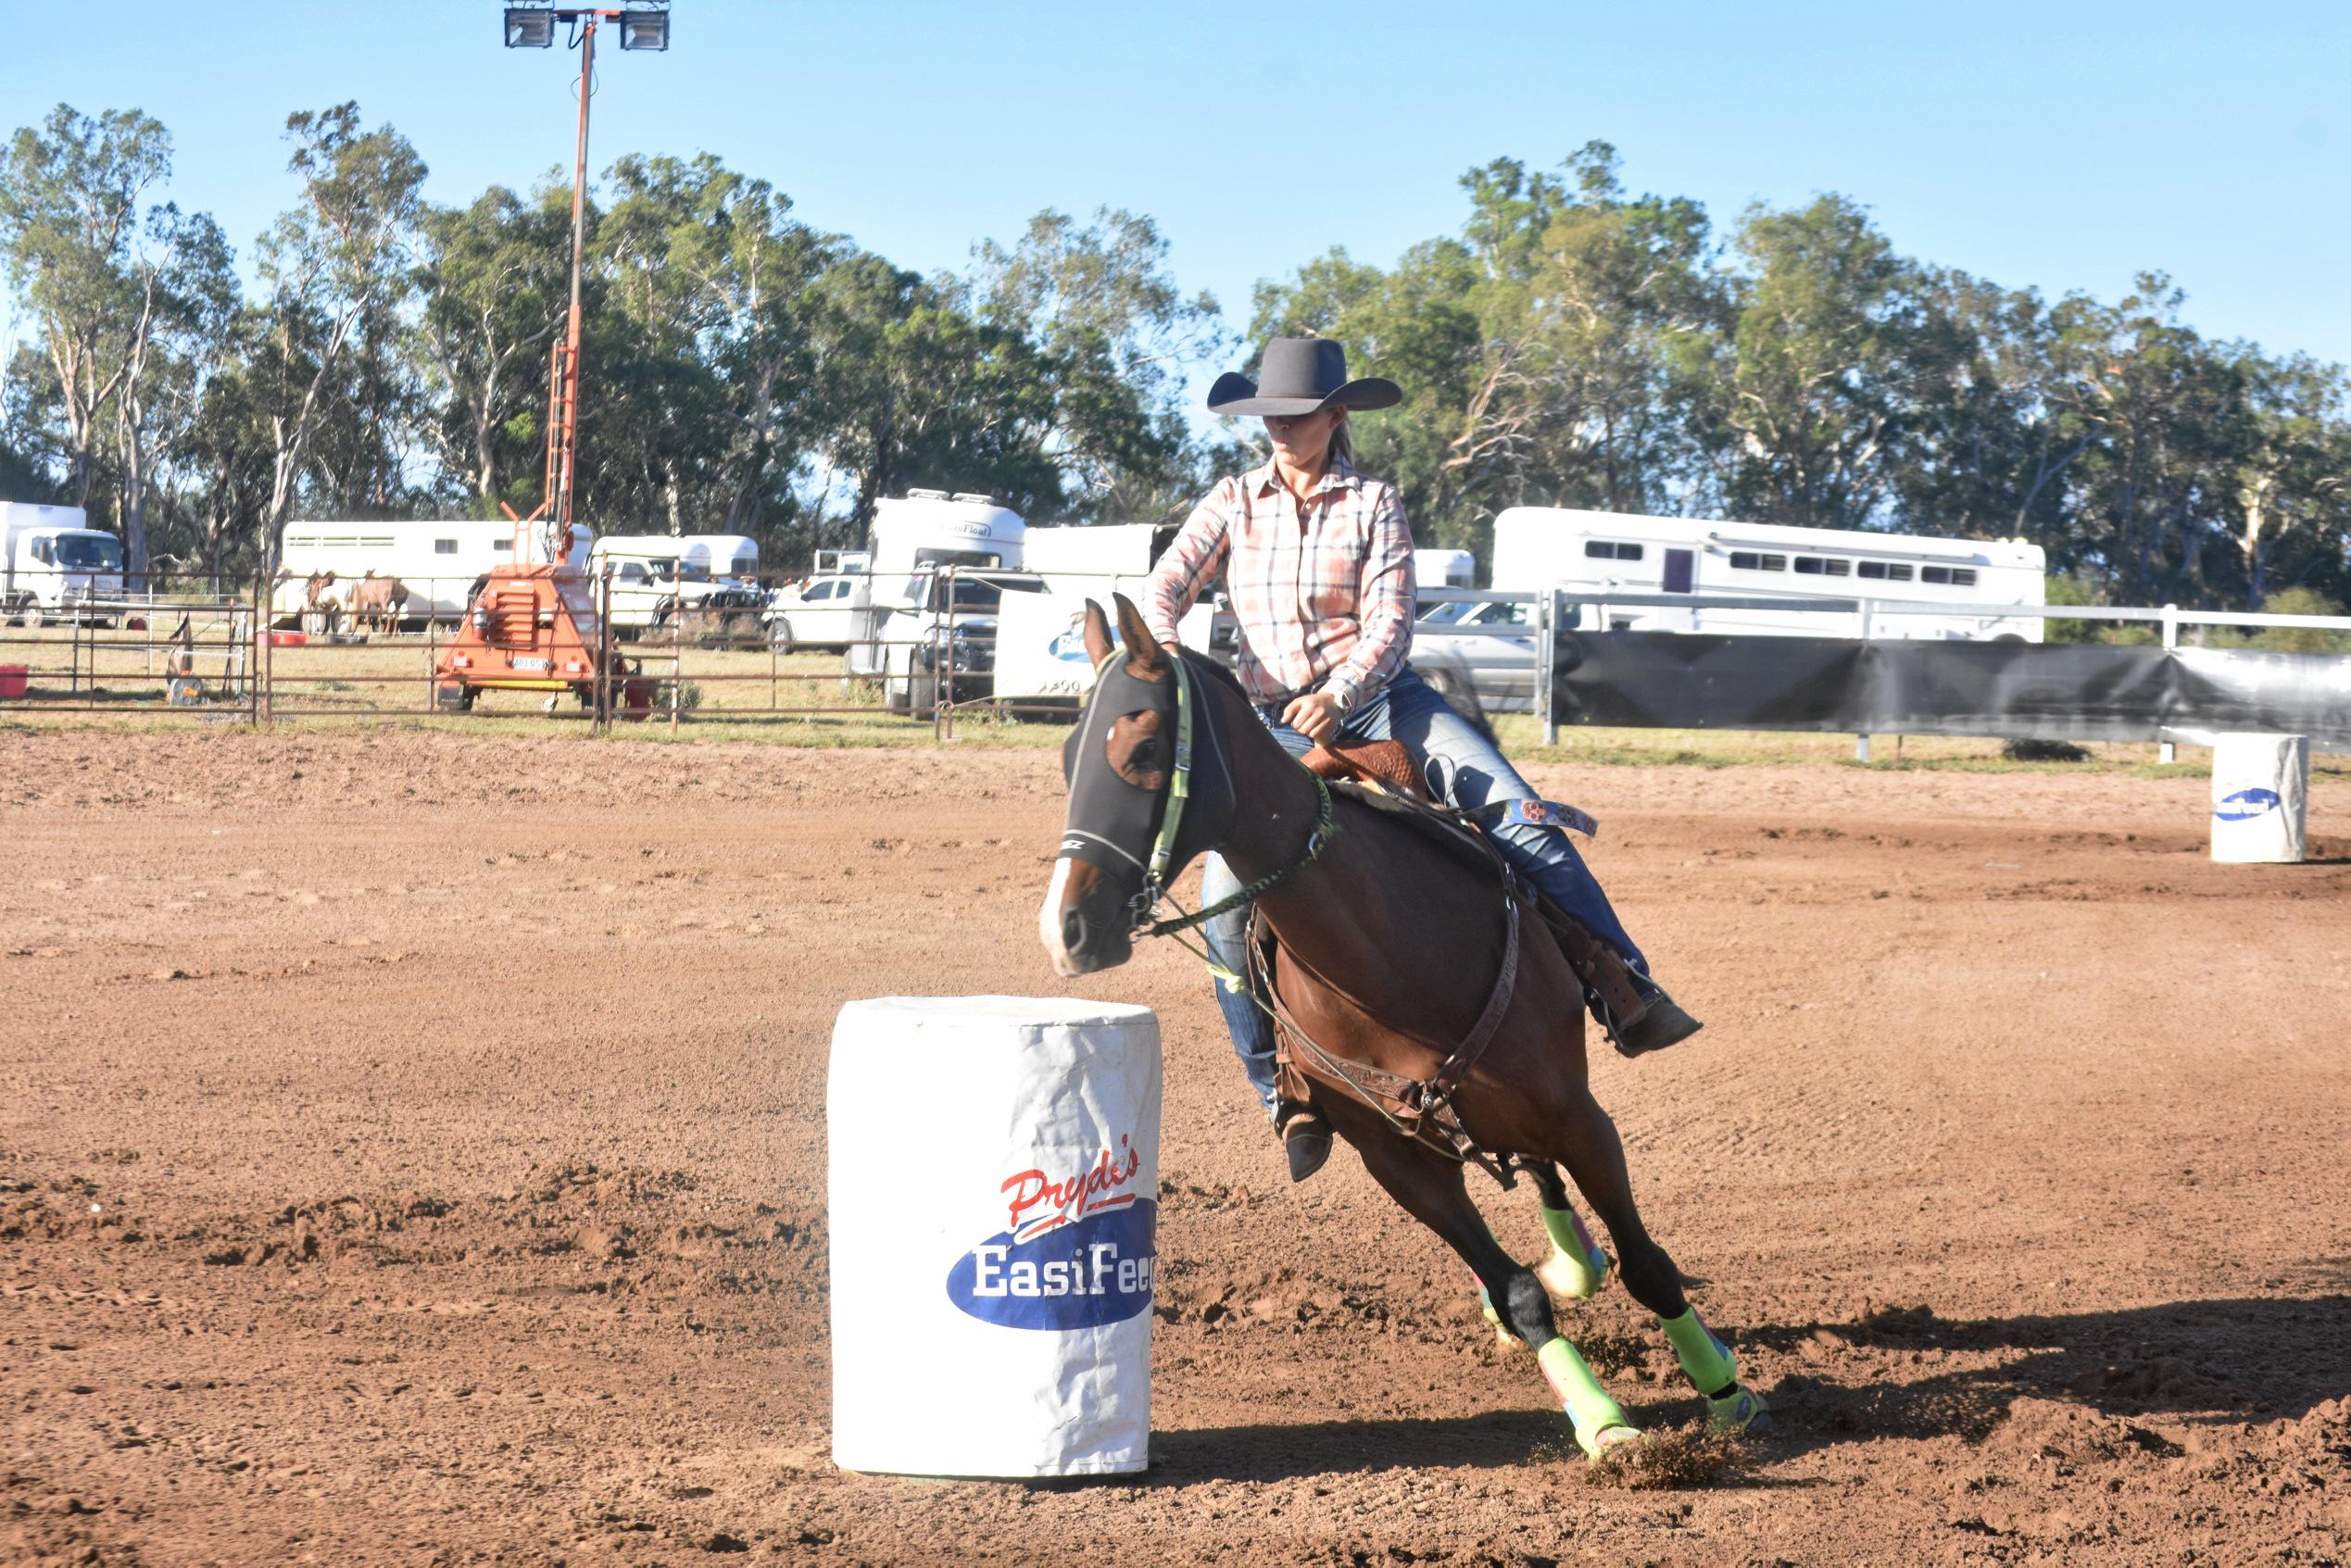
(530, 27)
(645, 28)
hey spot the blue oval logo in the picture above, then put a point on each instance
(1071, 646)
(1082, 1275)
(2246, 805)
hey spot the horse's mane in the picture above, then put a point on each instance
(1205, 665)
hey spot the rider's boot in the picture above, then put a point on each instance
(1634, 1010)
(1661, 1022)
(1305, 1135)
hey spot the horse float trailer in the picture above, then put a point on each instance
(443, 564)
(897, 614)
(1967, 582)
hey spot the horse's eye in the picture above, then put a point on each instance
(1137, 751)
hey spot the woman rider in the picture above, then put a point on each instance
(1319, 565)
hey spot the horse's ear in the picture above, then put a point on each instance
(1143, 651)
(1098, 637)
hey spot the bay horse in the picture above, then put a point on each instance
(1379, 928)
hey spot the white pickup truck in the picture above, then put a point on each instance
(53, 565)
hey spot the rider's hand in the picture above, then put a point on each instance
(1316, 716)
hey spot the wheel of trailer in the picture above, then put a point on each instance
(32, 615)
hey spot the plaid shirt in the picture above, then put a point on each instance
(1322, 593)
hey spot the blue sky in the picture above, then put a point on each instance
(2058, 145)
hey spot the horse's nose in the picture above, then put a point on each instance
(1074, 931)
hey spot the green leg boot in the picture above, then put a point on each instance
(1731, 1407)
(1577, 1266)
(1599, 1421)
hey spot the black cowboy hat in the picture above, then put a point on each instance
(1300, 375)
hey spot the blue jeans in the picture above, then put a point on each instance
(1461, 768)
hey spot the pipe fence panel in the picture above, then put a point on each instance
(937, 649)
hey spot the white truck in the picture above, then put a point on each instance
(441, 563)
(54, 567)
(1041, 646)
(901, 620)
(656, 576)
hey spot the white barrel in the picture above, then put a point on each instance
(994, 1174)
(2260, 797)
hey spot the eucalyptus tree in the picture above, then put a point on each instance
(1997, 418)
(333, 270)
(71, 195)
(107, 274)
(2154, 491)
(181, 301)
(652, 437)
(1809, 392)
(1592, 304)
(494, 279)
(755, 270)
(2291, 496)
(917, 392)
(1116, 337)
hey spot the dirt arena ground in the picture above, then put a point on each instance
(411, 1151)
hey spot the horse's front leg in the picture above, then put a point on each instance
(1429, 1188)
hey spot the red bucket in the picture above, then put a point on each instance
(12, 680)
(288, 639)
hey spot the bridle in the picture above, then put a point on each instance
(1141, 908)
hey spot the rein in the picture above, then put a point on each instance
(1179, 790)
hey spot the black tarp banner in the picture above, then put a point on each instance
(2055, 691)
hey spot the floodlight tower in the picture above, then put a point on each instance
(533, 624)
(644, 24)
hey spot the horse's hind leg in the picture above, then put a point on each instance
(1595, 1158)
(1430, 1189)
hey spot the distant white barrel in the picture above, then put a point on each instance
(994, 1174)
(2260, 797)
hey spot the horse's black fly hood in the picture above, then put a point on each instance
(1140, 836)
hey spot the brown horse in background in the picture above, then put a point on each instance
(1390, 944)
